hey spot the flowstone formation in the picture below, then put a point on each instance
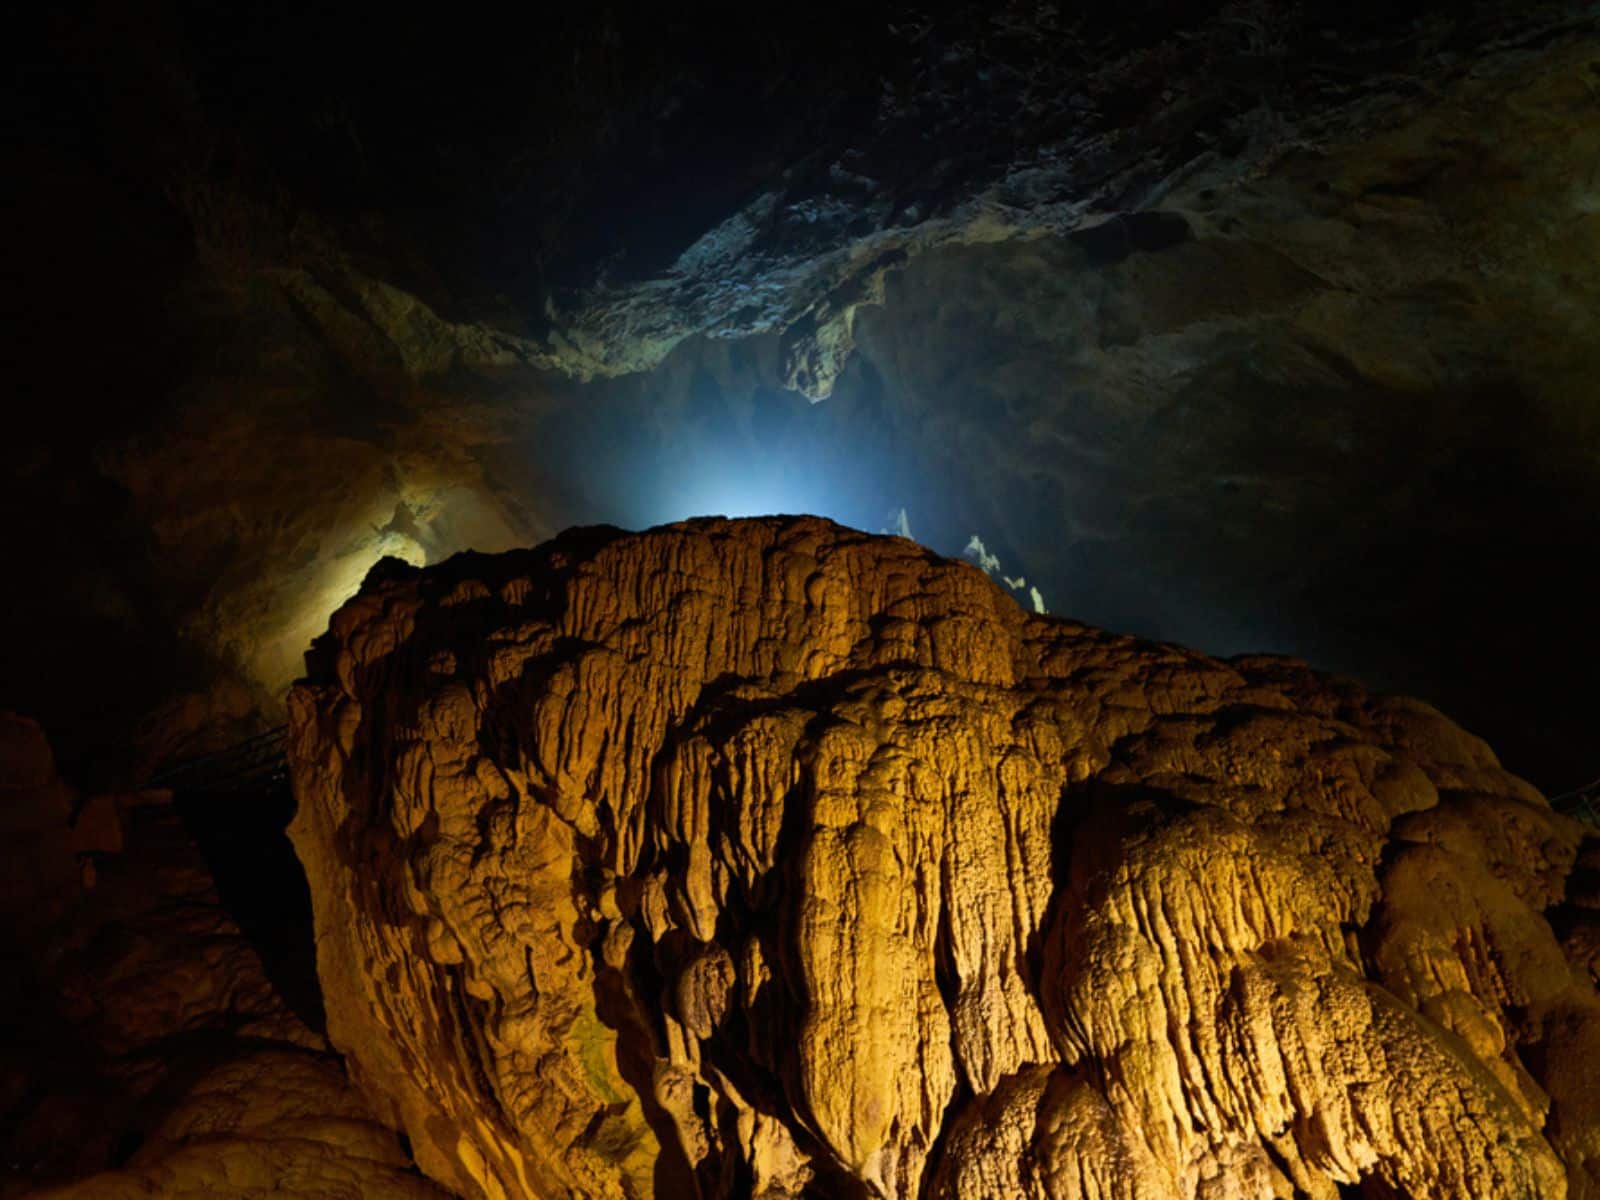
(766, 858)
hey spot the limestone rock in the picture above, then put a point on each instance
(278, 1121)
(147, 1050)
(769, 858)
(98, 827)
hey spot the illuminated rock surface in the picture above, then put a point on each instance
(269, 1122)
(762, 856)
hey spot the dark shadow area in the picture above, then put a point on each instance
(240, 822)
(624, 1002)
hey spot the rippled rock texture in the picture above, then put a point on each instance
(747, 858)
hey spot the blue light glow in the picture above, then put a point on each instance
(780, 455)
(650, 451)
(740, 482)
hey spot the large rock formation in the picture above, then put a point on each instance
(767, 858)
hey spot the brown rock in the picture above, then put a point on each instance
(143, 1032)
(38, 879)
(274, 1122)
(749, 857)
(97, 829)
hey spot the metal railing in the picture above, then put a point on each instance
(1582, 803)
(254, 764)
(259, 763)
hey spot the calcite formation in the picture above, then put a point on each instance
(274, 1121)
(766, 858)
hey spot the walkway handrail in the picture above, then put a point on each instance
(258, 759)
(1581, 803)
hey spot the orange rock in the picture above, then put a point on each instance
(747, 857)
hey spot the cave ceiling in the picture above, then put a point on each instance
(1255, 327)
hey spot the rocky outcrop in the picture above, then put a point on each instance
(1003, 122)
(747, 858)
(145, 1050)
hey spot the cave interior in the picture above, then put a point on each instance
(1243, 329)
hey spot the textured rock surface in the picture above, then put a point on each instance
(145, 1051)
(755, 857)
(271, 1121)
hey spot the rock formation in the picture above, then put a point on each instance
(767, 858)
(145, 1052)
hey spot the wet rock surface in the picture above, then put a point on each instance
(766, 858)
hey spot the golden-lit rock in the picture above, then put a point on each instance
(742, 858)
(278, 1121)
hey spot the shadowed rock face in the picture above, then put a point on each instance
(146, 1050)
(766, 858)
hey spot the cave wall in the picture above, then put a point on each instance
(1243, 325)
(1256, 330)
(1339, 417)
